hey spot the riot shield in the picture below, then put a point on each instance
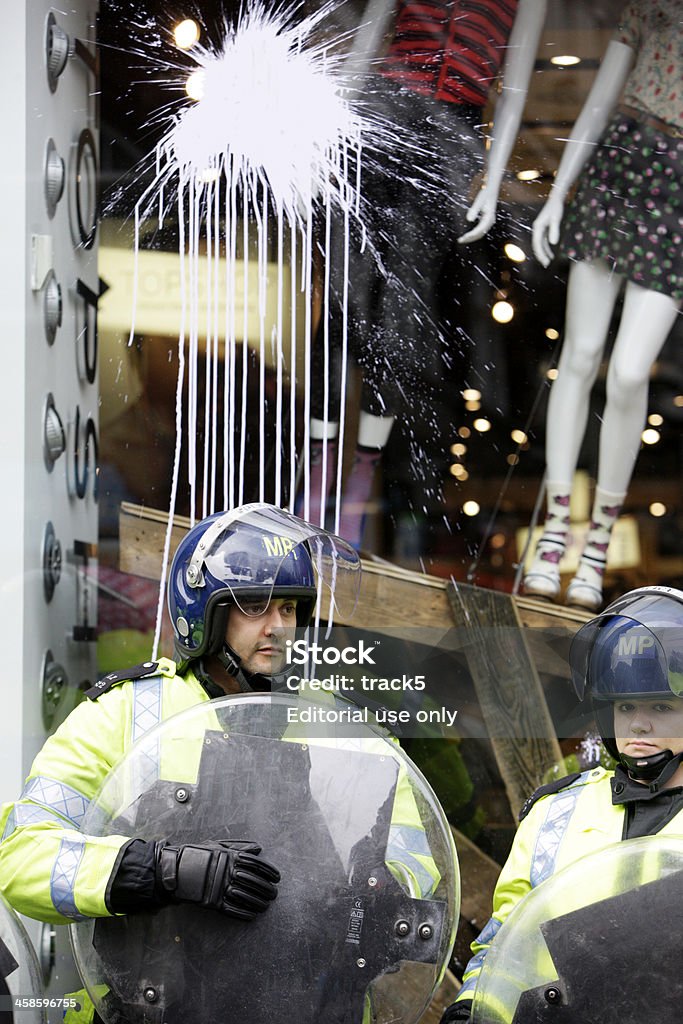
(365, 917)
(21, 990)
(597, 943)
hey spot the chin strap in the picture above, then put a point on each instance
(655, 771)
(248, 682)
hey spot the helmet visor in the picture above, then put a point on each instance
(618, 656)
(259, 553)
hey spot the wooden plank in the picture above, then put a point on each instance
(142, 534)
(391, 597)
(537, 612)
(443, 997)
(508, 689)
(407, 987)
(478, 877)
(388, 597)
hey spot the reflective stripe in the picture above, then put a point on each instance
(10, 825)
(467, 986)
(477, 961)
(51, 801)
(63, 799)
(63, 877)
(560, 809)
(484, 938)
(146, 714)
(146, 705)
(29, 814)
(489, 931)
(409, 838)
(405, 841)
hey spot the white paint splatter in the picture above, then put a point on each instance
(274, 111)
(272, 143)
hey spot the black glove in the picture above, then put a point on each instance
(457, 1013)
(228, 876)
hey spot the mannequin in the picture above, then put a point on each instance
(622, 225)
(392, 333)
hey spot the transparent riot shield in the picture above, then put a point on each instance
(597, 943)
(365, 917)
(21, 989)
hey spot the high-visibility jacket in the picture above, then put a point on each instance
(48, 869)
(561, 828)
(52, 872)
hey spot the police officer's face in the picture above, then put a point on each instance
(259, 640)
(645, 727)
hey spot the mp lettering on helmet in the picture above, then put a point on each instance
(630, 645)
(279, 546)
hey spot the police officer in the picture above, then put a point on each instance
(240, 583)
(629, 660)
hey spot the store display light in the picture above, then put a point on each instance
(514, 253)
(186, 34)
(503, 312)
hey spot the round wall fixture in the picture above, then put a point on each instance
(52, 685)
(52, 561)
(57, 49)
(54, 438)
(54, 178)
(52, 307)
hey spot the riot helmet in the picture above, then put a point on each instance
(634, 650)
(247, 557)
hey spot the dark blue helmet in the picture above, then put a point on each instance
(634, 649)
(246, 557)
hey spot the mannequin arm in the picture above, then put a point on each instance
(595, 114)
(519, 64)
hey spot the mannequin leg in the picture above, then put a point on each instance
(323, 471)
(585, 589)
(543, 577)
(373, 434)
(646, 320)
(327, 388)
(591, 294)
